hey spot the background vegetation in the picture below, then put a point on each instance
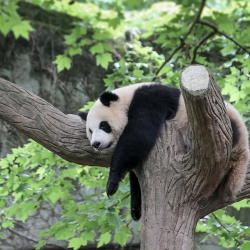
(161, 38)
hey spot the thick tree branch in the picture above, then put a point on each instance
(210, 128)
(62, 134)
(211, 136)
(65, 135)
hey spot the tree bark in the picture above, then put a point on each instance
(60, 133)
(177, 184)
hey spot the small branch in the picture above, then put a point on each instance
(212, 26)
(34, 240)
(182, 39)
(203, 39)
(217, 219)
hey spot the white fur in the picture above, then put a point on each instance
(115, 115)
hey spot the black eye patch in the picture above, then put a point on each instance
(105, 127)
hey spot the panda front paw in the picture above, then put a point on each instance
(136, 213)
(112, 187)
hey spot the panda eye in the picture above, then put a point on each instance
(105, 126)
(90, 131)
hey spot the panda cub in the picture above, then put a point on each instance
(130, 118)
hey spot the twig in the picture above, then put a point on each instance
(217, 219)
(182, 39)
(212, 26)
(203, 39)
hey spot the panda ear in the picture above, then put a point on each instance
(83, 115)
(107, 97)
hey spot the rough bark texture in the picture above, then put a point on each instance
(169, 212)
(39, 120)
(177, 186)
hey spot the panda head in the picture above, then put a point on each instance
(105, 121)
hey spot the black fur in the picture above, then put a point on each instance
(149, 108)
(135, 194)
(236, 132)
(105, 127)
(107, 97)
(83, 115)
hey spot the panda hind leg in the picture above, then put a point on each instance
(135, 193)
(235, 179)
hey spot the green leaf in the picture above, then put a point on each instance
(87, 106)
(64, 234)
(219, 213)
(6, 224)
(104, 239)
(22, 29)
(103, 60)
(76, 243)
(113, 220)
(241, 204)
(55, 194)
(97, 48)
(63, 62)
(4, 163)
(85, 41)
(41, 244)
(101, 35)
(247, 231)
(230, 49)
(122, 236)
(88, 236)
(4, 191)
(74, 51)
(200, 227)
(134, 2)
(245, 246)
(165, 70)
(124, 187)
(69, 173)
(5, 29)
(224, 23)
(114, 22)
(10, 158)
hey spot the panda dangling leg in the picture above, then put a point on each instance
(135, 193)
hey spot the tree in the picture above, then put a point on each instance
(185, 180)
(176, 35)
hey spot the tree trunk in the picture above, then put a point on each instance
(169, 213)
(178, 181)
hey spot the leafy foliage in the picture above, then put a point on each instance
(162, 38)
(33, 174)
(231, 232)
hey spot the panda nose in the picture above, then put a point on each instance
(96, 144)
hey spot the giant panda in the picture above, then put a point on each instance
(129, 119)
